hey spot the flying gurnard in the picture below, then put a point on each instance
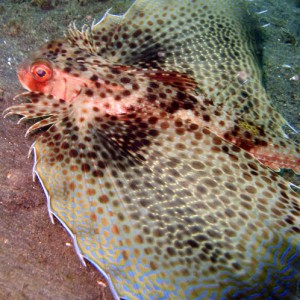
(158, 151)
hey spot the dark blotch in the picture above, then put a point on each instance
(89, 93)
(192, 243)
(85, 167)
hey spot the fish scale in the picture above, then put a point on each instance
(157, 152)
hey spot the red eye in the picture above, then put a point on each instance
(41, 71)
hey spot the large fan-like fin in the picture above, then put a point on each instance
(211, 42)
(165, 208)
(147, 159)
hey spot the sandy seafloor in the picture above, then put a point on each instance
(37, 259)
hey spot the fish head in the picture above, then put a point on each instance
(48, 70)
(63, 70)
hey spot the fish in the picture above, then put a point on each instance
(157, 147)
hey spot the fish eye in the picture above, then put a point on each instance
(41, 71)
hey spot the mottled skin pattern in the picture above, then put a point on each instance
(158, 153)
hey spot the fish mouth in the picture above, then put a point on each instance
(23, 76)
(60, 85)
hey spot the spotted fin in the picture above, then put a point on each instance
(165, 208)
(276, 152)
(212, 43)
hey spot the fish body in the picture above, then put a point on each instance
(158, 153)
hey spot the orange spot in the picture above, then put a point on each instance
(153, 265)
(128, 242)
(126, 228)
(115, 229)
(91, 181)
(93, 203)
(147, 251)
(145, 261)
(198, 136)
(96, 231)
(72, 186)
(110, 213)
(103, 199)
(106, 234)
(105, 222)
(100, 210)
(93, 217)
(180, 131)
(138, 239)
(79, 177)
(164, 125)
(90, 192)
(74, 168)
(136, 252)
(125, 254)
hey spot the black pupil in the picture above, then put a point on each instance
(41, 72)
